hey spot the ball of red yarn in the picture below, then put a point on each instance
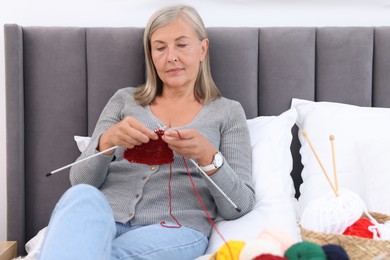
(360, 229)
(269, 257)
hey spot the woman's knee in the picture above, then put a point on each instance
(84, 196)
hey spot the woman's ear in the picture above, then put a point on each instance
(204, 48)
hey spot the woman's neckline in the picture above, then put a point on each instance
(162, 125)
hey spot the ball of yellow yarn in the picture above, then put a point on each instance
(235, 249)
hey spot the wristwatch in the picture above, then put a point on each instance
(217, 162)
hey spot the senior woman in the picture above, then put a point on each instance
(118, 209)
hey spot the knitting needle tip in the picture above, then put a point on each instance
(82, 160)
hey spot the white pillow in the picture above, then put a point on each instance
(33, 246)
(271, 167)
(277, 129)
(82, 142)
(349, 124)
(374, 158)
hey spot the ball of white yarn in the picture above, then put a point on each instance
(258, 247)
(333, 214)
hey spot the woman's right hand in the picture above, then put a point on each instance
(127, 133)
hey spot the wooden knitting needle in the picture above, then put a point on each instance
(331, 138)
(319, 161)
(82, 160)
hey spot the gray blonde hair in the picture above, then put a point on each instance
(205, 89)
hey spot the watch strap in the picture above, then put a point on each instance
(214, 165)
(208, 167)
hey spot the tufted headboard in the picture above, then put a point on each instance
(59, 78)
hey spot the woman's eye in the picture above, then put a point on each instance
(182, 45)
(160, 48)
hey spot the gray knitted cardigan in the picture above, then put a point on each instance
(139, 193)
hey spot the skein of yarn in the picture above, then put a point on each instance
(280, 236)
(258, 247)
(333, 214)
(335, 252)
(361, 228)
(269, 257)
(305, 251)
(230, 251)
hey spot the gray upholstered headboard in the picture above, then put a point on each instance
(59, 78)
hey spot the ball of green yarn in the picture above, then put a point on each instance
(305, 251)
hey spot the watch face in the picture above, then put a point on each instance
(218, 160)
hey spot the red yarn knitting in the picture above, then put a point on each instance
(155, 152)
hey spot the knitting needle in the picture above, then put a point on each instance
(216, 186)
(212, 182)
(331, 138)
(318, 160)
(82, 160)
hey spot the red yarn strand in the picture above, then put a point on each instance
(162, 223)
(205, 209)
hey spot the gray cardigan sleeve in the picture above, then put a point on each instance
(235, 175)
(95, 170)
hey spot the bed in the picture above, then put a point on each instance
(59, 78)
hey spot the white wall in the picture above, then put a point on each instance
(214, 13)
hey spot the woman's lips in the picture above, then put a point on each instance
(174, 70)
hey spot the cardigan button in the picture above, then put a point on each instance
(153, 167)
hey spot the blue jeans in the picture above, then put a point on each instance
(82, 227)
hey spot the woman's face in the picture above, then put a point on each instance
(177, 53)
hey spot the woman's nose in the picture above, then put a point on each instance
(172, 56)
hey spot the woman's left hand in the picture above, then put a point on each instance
(190, 144)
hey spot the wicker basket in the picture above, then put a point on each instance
(356, 247)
